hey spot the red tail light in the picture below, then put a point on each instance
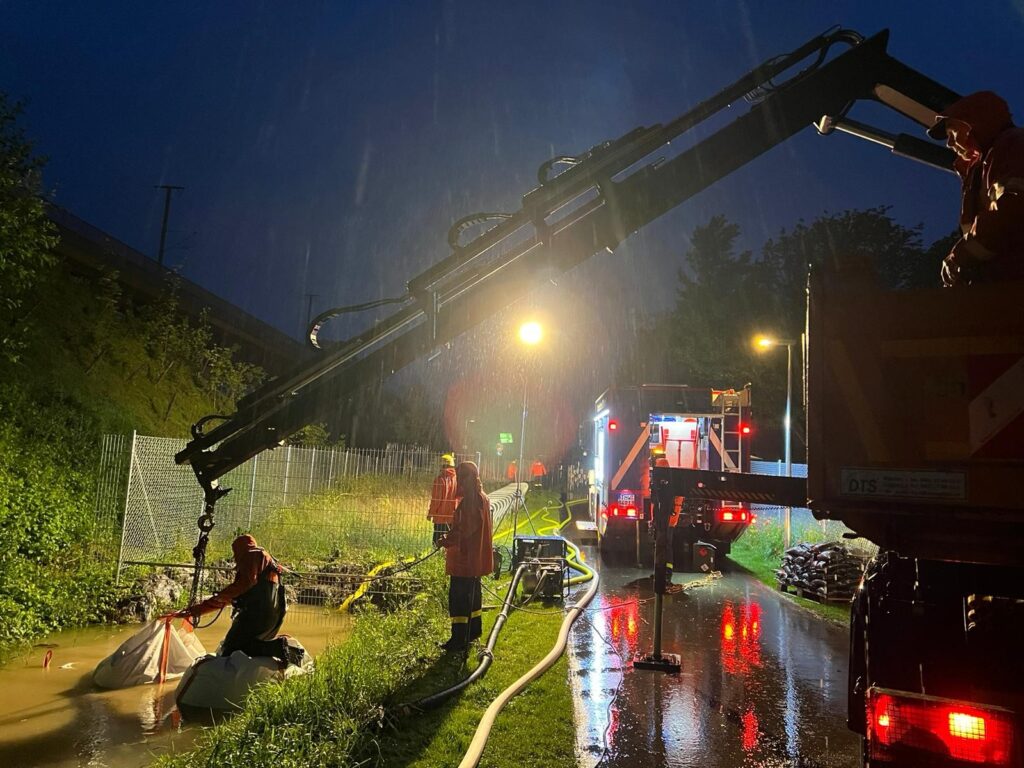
(614, 510)
(899, 721)
(733, 515)
(745, 429)
(613, 425)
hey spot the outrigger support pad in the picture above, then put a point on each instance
(667, 662)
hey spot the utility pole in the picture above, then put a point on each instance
(168, 190)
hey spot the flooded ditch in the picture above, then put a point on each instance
(56, 717)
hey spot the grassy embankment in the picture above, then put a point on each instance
(91, 366)
(759, 551)
(344, 713)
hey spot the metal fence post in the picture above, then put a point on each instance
(124, 517)
(287, 472)
(252, 489)
(312, 468)
(330, 470)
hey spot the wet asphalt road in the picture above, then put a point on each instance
(763, 682)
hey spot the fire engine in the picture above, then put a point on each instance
(679, 426)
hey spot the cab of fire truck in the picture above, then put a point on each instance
(678, 426)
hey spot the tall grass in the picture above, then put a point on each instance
(364, 519)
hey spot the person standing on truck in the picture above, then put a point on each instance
(442, 498)
(258, 602)
(468, 557)
(990, 162)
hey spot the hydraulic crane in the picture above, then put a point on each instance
(596, 202)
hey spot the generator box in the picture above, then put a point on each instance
(915, 407)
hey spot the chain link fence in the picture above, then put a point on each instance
(330, 515)
(770, 520)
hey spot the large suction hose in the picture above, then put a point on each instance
(483, 730)
(486, 655)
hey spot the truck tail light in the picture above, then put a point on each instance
(956, 730)
(615, 510)
(733, 515)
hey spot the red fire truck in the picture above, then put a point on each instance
(684, 427)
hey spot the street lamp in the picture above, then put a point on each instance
(763, 344)
(530, 334)
(465, 433)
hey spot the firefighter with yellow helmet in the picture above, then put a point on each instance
(442, 498)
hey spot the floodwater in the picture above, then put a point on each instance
(56, 717)
(763, 682)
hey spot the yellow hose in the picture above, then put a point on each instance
(367, 580)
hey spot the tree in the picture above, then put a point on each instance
(27, 236)
(726, 296)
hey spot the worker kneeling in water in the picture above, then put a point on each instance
(468, 557)
(258, 600)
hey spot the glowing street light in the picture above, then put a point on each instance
(531, 333)
(763, 344)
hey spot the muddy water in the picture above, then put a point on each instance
(56, 717)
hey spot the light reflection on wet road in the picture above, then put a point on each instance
(763, 683)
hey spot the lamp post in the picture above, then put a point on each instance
(530, 334)
(465, 433)
(764, 343)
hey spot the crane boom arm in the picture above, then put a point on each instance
(607, 194)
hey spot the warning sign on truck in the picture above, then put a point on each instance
(903, 483)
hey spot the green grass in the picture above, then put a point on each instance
(536, 728)
(759, 552)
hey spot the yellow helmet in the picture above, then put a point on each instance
(448, 459)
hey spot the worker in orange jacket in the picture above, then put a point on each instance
(258, 601)
(538, 473)
(442, 497)
(990, 163)
(511, 471)
(468, 557)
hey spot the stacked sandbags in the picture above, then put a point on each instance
(827, 571)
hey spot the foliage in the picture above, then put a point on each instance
(80, 373)
(26, 236)
(317, 436)
(727, 295)
(47, 578)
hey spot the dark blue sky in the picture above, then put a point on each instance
(326, 147)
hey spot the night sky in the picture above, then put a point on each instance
(326, 147)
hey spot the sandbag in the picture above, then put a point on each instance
(137, 660)
(223, 682)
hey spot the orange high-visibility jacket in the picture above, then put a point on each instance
(468, 551)
(442, 496)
